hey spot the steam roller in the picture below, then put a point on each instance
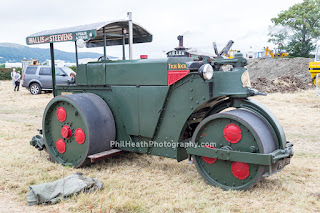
(185, 106)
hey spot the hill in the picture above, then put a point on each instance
(10, 52)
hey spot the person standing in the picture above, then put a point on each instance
(17, 81)
(73, 78)
(13, 74)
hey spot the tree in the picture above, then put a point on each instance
(297, 29)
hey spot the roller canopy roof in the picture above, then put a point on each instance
(92, 34)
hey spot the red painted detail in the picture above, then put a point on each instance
(61, 114)
(143, 56)
(66, 132)
(232, 133)
(209, 160)
(240, 170)
(80, 136)
(176, 75)
(61, 145)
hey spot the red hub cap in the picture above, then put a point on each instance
(61, 146)
(232, 133)
(209, 160)
(66, 132)
(240, 170)
(80, 136)
(61, 114)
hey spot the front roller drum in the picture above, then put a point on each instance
(76, 126)
(236, 130)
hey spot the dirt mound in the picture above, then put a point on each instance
(280, 74)
(282, 84)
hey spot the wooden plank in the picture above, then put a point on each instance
(104, 154)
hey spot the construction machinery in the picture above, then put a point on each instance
(276, 53)
(231, 53)
(35, 62)
(174, 107)
(314, 67)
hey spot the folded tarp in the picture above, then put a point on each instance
(51, 193)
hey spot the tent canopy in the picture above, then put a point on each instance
(92, 34)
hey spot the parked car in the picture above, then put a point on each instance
(38, 78)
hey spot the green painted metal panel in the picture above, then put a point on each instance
(176, 60)
(96, 73)
(183, 98)
(82, 75)
(151, 100)
(187, 96)
(228, 83)
(137, 72)
(127, 99)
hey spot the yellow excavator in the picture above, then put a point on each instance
(35, 62)
(230, 53)
(277, 53)
(314, 67)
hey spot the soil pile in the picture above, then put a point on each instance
(280, 75)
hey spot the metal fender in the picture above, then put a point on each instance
(257, 108)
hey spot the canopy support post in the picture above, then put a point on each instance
(104, 44)
(75, 44)
(53, 71)
(130, 34)
(123, 47)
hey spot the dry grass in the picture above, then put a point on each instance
(141, 183)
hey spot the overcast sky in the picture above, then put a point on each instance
(201, 22)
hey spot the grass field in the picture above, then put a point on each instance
(141, 183)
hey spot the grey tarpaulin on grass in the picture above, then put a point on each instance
(51, 193)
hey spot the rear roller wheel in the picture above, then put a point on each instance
(75, 126)
(237, 130)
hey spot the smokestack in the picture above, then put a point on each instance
(180, 38)
(130, 34)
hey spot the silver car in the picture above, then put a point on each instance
(38, 78)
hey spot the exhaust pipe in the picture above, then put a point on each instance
(180, 38)
(130, 34)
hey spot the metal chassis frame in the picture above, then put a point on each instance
(246, 157)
